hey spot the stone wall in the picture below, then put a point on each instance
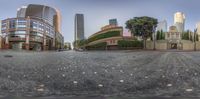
(198, 45)
(0, 42)
(149, 45)
(161, 45)
(187, 45)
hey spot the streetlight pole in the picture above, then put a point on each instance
(195, 31)
(154, 38)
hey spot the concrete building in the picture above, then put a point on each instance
(108, 38)
(113, 22)
(162, 25)
(173, 38)
(37, 27)
(79, 27)
(179, 21)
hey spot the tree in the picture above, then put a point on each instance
(142, 26)
(162, 35)
(197, 37)
(187, 35)
(80, 43)
(158, 35)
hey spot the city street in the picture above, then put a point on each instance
(100, 73)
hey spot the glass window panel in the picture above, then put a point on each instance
(21, 26)
(20, 32)
(12, 23)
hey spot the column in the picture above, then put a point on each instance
(44, 43)
(27, 42)
(27, 34)
(0, 42)
(6, 46)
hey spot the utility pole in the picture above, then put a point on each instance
(195, 31)
(154, 38)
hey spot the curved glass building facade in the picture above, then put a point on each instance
(32, 29)
(46, 13)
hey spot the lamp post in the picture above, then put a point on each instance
(154, 38)
(195, 31)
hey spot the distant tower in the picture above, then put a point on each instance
(0, 37)
(162, 25)
(198, 29)
(21, 12)
(113, 22)
(79, 27)
(179, 21)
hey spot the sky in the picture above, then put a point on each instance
(98, 12)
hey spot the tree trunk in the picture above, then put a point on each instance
(144, 43)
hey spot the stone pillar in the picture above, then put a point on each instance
(27, 42)
(0, 42)
(44, 43)
(27, 47)
(54, 43)
(7, 43)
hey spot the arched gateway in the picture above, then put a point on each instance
(173, 38)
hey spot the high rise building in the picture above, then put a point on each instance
(36, 27)
(198, 29)
(162, 25)
(113, 22)
(179, 21)
(79, 27)
(0, 37)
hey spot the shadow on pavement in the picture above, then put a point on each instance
(96, 97)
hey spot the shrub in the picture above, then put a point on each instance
(104, 35)
(97, 46)
(125, 44)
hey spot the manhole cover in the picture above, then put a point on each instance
(8, 56)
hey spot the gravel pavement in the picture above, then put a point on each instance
(100, 73)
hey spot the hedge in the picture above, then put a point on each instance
(126, 44)
(97, 46)
(104, 35)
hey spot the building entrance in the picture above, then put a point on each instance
(17, 46)
(174, 46)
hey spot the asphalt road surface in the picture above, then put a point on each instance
(98, 73)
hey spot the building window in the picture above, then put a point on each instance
(20, 32)
(3, 28)
(12, 24)
(21, 26)
(21, 23)
(36, 34)
(3, 25)
(18, 36)
(34, 24)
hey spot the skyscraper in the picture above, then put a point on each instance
(198, 29)
(179, 21)
(0, 37)
(113, 22)
(162, 25)
(79, 27)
